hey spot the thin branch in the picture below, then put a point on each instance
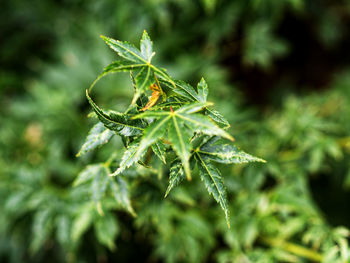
(293, 248)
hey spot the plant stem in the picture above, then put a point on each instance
(110, 160)
(293, 248)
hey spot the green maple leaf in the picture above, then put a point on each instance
(121, 123)
(188, 93)
(176, 176)
(146, 47)
(211, 149)
(214, 183)
(178, 127)
(216, 150)
(133, 59)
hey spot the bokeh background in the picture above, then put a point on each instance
(279, 71)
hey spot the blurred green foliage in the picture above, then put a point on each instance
(292, 209)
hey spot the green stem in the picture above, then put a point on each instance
(293, 248)
(108, 163)
(164, 75)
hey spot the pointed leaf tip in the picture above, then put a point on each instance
(214, 183)
(146, 47)
(176, 176)
(125, 50)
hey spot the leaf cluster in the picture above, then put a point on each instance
(176, 124)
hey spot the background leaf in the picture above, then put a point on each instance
(97, 136)
(106, 229)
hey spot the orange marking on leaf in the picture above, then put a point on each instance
(154, 97)
(154, 87)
